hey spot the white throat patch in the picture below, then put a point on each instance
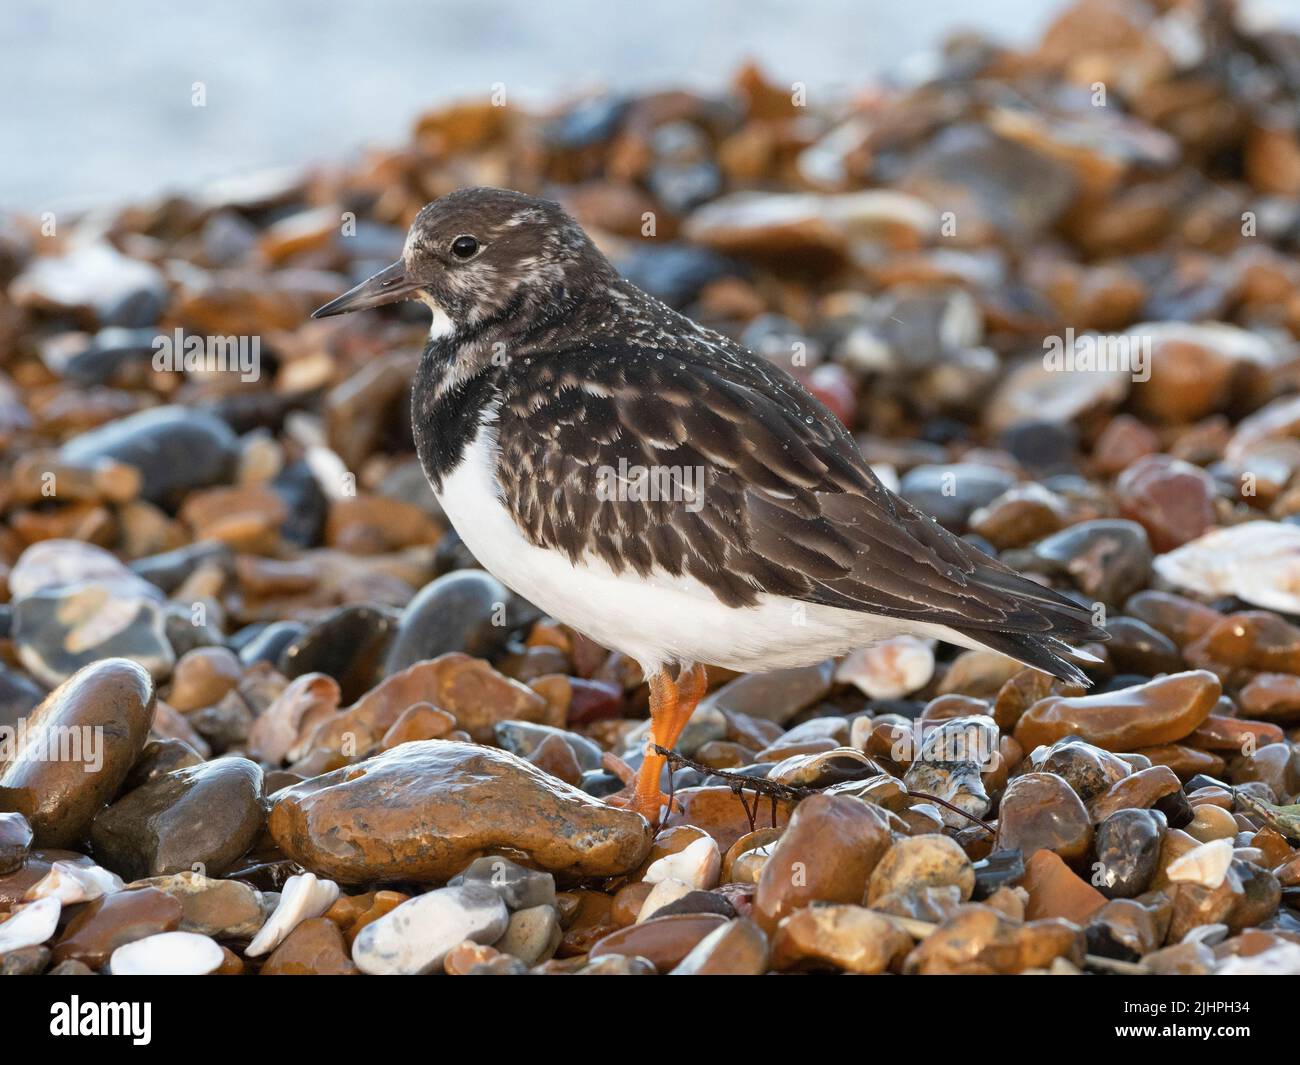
(442, 325)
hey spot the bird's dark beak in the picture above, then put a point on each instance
(387, 286)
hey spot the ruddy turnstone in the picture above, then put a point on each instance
(660, 488)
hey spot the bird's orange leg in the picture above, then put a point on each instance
(671, 705)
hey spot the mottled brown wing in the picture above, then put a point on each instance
(786, 504)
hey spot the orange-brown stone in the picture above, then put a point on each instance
(1158, 712)
(1055, 890)
(664, 941)
(111, 921)
(979, 940)
(1141, 791)
(314, 948)
(827, 854)
(721, 813)
(424, 810)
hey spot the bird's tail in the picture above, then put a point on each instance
(1047, 653)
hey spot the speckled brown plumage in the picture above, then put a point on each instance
(789, 507)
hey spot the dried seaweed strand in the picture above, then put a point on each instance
(775, 790)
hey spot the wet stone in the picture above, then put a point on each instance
(1135, 647)
(1173, 500)
(1056, 891)
(951, 494)
(1261, 894)
(837, 842)
(532, 935)
(1128, 851)
(690, 902)
(1123, 929)
(206, 815)
(1002, 868)
(916, 862)
(951, 763)
(19, 695)
(314, 948)
(1089, 770)
(1107, 559)
(113, 703)
(523, 737)
(426, 809)
(468, 611)
(824, 769)
(1019, 516)
(775, 696)
(979, 940)
(296, 712)
(268, 643)
(1251, 639)
(720, 812)
(1274, 764)
(1143, 789)
(848, 938)
(159, 757)
(203, 677)
(25, 961)
(114, 920)
(469, 689)
(1158, 712)
(737, 948)
(15, 841)
(349, 644)
(519, 888)
(664, 941)
(420, 721)
(1041, 811)
(224, 909)
(1272, 697)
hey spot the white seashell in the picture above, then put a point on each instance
(304, 896)
(697, 865)
(1206, 865)
(1258, 561)
(71, 883)
(167, 954)
(664, 892)
(890, 669)
(31, 925)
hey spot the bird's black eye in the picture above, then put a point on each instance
(464, 247)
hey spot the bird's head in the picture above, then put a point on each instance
(482, 255)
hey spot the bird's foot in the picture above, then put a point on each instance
(626, 799)
(671, 705)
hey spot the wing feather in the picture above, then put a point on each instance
(785, 504)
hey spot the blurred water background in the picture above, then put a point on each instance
(97, 96)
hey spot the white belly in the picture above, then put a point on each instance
(659, 620)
